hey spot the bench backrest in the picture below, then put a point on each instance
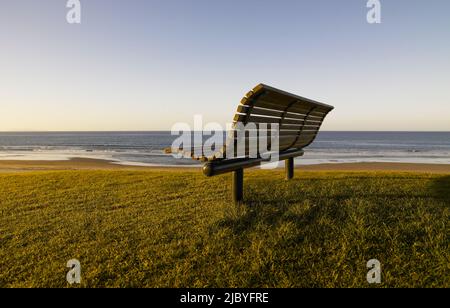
(299, 118)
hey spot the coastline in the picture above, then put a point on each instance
(7, 166)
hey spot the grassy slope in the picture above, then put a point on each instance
(179, 229)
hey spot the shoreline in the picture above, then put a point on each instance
(7, 166)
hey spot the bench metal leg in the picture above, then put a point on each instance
(289, 167)
(238, 185)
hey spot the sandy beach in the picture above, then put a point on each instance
(97, 164)
(74, 164)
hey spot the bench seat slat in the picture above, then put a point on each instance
(273, 98)
(261, 111)
(270, 120)
(297, 108)
(243, 109)
(284, 97)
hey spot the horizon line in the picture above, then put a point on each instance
(143, 131)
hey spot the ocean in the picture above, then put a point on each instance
(147, 148)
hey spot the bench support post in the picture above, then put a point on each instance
(289, 167)
(238, 185)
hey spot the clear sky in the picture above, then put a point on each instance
(147, 64)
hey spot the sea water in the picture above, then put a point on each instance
(147, 148)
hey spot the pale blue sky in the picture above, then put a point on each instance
(144, 65)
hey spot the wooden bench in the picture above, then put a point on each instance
(299, 120)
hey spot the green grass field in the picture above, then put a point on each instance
(180, 229)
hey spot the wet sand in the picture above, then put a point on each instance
(95, 164)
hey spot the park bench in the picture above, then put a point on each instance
(298, 119)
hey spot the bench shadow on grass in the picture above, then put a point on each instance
(441, 188)
(300, 209)
(257, 210)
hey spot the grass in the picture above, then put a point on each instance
(179, 229)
